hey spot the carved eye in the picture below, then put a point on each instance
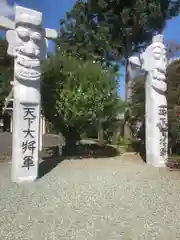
(36, 36)
(23, 33)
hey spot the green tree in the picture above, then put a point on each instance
(76, 93)
(114, 29)
(137, 104)
(81, 35)
(133, 23)
(135, 110)
(173, 98)
(6, 73)
(101, 26)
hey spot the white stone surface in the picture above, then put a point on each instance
(28, 44)
(25, 45)
(50, 33)
(6, 23)
(154, 62)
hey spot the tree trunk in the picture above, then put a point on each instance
(127, 131)
(100, 133)
(117, 134)
(72, 137)
(126, 81)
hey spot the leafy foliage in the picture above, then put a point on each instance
(76, 93)
(132, 23)
(137, 105)
(113, 29)
(6, 72)
(173, 96)
(81, 35)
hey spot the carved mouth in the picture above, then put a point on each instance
(27, 69)
(159, 85)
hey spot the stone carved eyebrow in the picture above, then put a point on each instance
(26, 35)
(22, 32)
(36, 36)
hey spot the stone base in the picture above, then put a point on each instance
(25, 180)
(158, 165)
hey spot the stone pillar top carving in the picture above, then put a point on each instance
(158, 38)
(152, 59)
(155, 55)
(27, 16)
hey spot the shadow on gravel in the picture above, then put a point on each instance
(51, 159)
(140, 145)
(140, 148)
(48, 164)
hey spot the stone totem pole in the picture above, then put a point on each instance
(28, 44)
(154, 62)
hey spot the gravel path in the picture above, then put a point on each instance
(102, 199)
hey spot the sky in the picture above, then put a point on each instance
(53, 10)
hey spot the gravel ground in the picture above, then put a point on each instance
(102, 199)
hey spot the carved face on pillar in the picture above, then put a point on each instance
(27, 44)
(154, 56)
(154, 61)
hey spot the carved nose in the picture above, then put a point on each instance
(30, 49)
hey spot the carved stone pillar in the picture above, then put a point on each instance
(154, 62)
(28, 44)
